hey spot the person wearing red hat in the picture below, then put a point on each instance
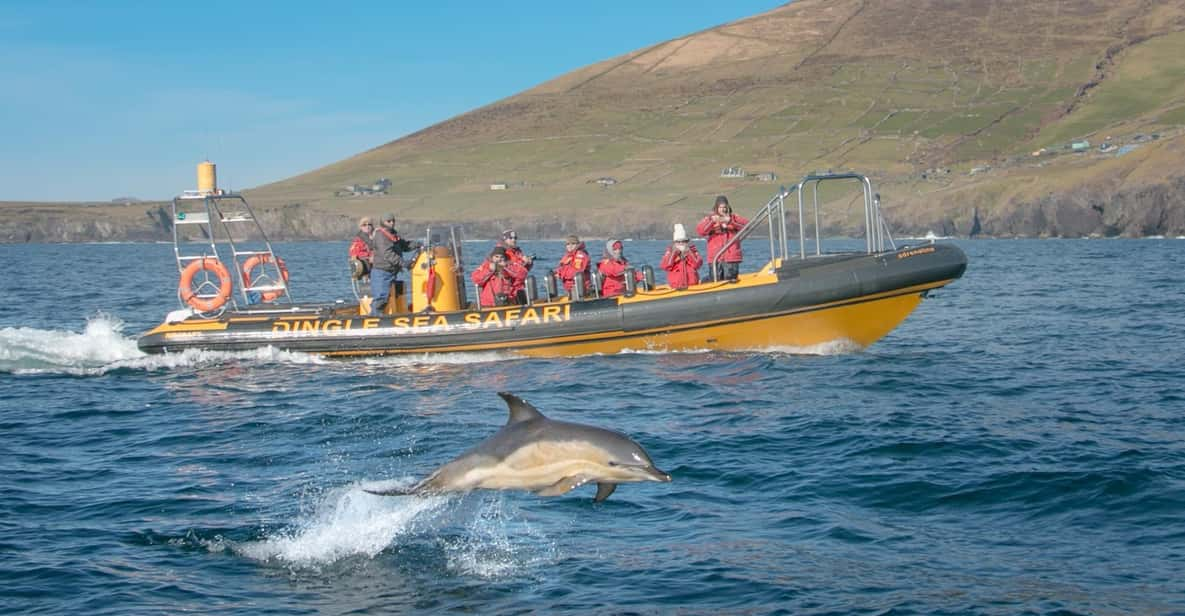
(612, 268)
(497, 278)
(719, 227)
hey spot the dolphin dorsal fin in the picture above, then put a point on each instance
(520, 410)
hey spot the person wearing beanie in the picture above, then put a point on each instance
(612, 268)
(362, 249)
(514, 254)
(574, 261)
(681, 261)
(497, 278)
(387, 261)
(720, 226)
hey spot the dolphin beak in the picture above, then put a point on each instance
(658, 475)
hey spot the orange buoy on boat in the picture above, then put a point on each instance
(257, 260)
(190, 296)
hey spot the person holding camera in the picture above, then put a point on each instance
(681, 261)
(514, 254)
(497, 278)
(719, 227)
(612, 268)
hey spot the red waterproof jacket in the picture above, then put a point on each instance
(515, 255)
(572, 263)
(497, 288)
(682, 267)
(613, 275)
(362, 247)
(718, 234)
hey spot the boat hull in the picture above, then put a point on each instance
(796, 305)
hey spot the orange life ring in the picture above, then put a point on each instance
(255, 260)
(189, 296)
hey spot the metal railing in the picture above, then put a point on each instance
(213, 215)
(773, 215)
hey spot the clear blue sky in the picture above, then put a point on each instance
(106, 99)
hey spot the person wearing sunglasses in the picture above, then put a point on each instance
(515, 255)
(719, 227)
(387, 263)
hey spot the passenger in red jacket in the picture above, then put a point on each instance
(514, 254)
(362, 248)
(497, 278)
(574, 261)
(612, 268)
(681, 261)
(719, 227)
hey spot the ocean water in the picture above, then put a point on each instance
(1017, 446)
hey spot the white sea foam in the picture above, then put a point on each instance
(101, 343)
(832, 347)
(351, 523)
(498, 543)
(102, 347)
(347, 522)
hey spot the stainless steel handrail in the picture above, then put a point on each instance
(876, 230)
(213, 211)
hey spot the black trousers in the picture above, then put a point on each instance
(728, 271)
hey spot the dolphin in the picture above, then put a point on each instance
(547, 457)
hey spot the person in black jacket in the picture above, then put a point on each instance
(388, 261)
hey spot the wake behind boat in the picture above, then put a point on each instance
(799, 299)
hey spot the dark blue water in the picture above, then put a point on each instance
(1016, 446)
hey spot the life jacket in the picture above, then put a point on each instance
(572, 263)
(362, 247)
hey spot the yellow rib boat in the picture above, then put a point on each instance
(797, 300)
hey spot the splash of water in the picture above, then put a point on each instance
(842, 346)
(101, 343)
(348, 522)
(102, 347)
(498, 543)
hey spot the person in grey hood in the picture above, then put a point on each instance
(388, 261)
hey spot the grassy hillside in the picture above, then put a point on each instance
(950, 105)
(915, 94)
